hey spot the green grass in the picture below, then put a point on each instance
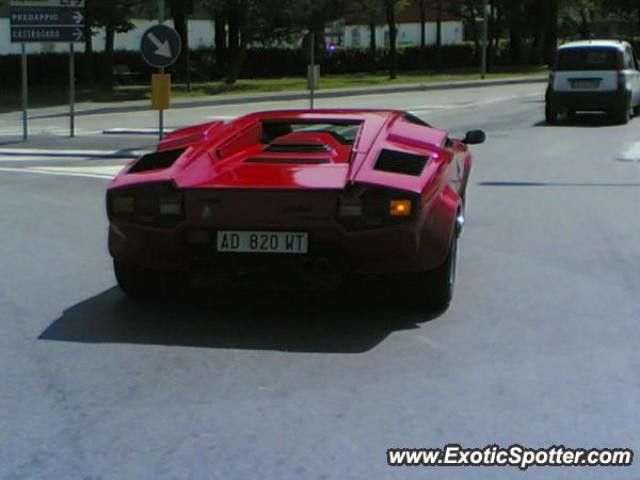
(57, 96)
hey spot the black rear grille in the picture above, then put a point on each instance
(401, 162)
(156, 161)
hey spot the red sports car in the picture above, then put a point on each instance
(294, 196)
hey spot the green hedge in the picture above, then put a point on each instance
(52, 68)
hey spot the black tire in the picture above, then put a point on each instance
(551, 114)
(440, 282)
(138, 282)
(636, 110)
(434, 288)
(623, 115)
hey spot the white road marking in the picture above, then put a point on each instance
(19, 153)
(631, 154)
(46, 131)
(103, 172)
(135, 131)
(35, 158)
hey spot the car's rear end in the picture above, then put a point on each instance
(588, 77)
(274, 201)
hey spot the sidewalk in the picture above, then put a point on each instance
(185, 103)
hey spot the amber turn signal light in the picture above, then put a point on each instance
(400, 208)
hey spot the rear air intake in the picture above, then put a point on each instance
(400, 162)
(156, 161)
(296, 148)
(306, 161)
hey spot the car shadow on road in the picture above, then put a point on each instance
(319, 322)
(584, 120)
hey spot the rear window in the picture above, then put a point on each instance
(588, 59)
(344, 132)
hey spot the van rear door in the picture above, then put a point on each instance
(587, 69)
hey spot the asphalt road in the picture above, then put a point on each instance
(540, 346)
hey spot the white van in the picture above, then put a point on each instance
(594, 75)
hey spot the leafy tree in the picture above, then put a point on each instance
(391, 7)
(114, 17)
(372, 14)
(180, 11)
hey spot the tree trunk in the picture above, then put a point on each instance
(423, 25)
(108, 50)
(233, 19)
(238, 38)
(423, 34)
(539, 15)
(372, 40)
(551, 39)
(494, 35)
(221, 42)
(180, 24)
(393, 34)
(438, 34)
(516, 34)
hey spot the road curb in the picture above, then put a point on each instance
(142, 106)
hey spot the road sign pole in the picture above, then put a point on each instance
(72, 91)
(161, 116)
(312, 92)
(161, 112)
(485, 34)
(25, 94)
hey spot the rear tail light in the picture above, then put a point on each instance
(170, 205)
(159, 205)
(400, 208)
(375, 208)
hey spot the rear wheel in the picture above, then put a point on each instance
(551, 114)
(140, 282)
(434, 288)
(623, 115)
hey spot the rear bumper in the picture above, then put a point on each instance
(587, 101)
(395, 249)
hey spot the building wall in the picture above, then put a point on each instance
(201, 34)
(408, 34)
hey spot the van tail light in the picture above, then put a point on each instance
(622, 80)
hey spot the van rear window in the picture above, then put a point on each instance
(588, 59)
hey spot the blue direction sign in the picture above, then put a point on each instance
(46, 34)
(46, 17)
(47, 21)
(161, 46)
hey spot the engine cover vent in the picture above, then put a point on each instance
(401, 162)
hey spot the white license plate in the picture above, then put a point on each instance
(263, 242)
(585, 83)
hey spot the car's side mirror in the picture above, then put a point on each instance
(475, 137)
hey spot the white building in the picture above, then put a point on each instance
(357, 35)
(409, 34)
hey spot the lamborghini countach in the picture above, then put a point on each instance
(294, 195)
